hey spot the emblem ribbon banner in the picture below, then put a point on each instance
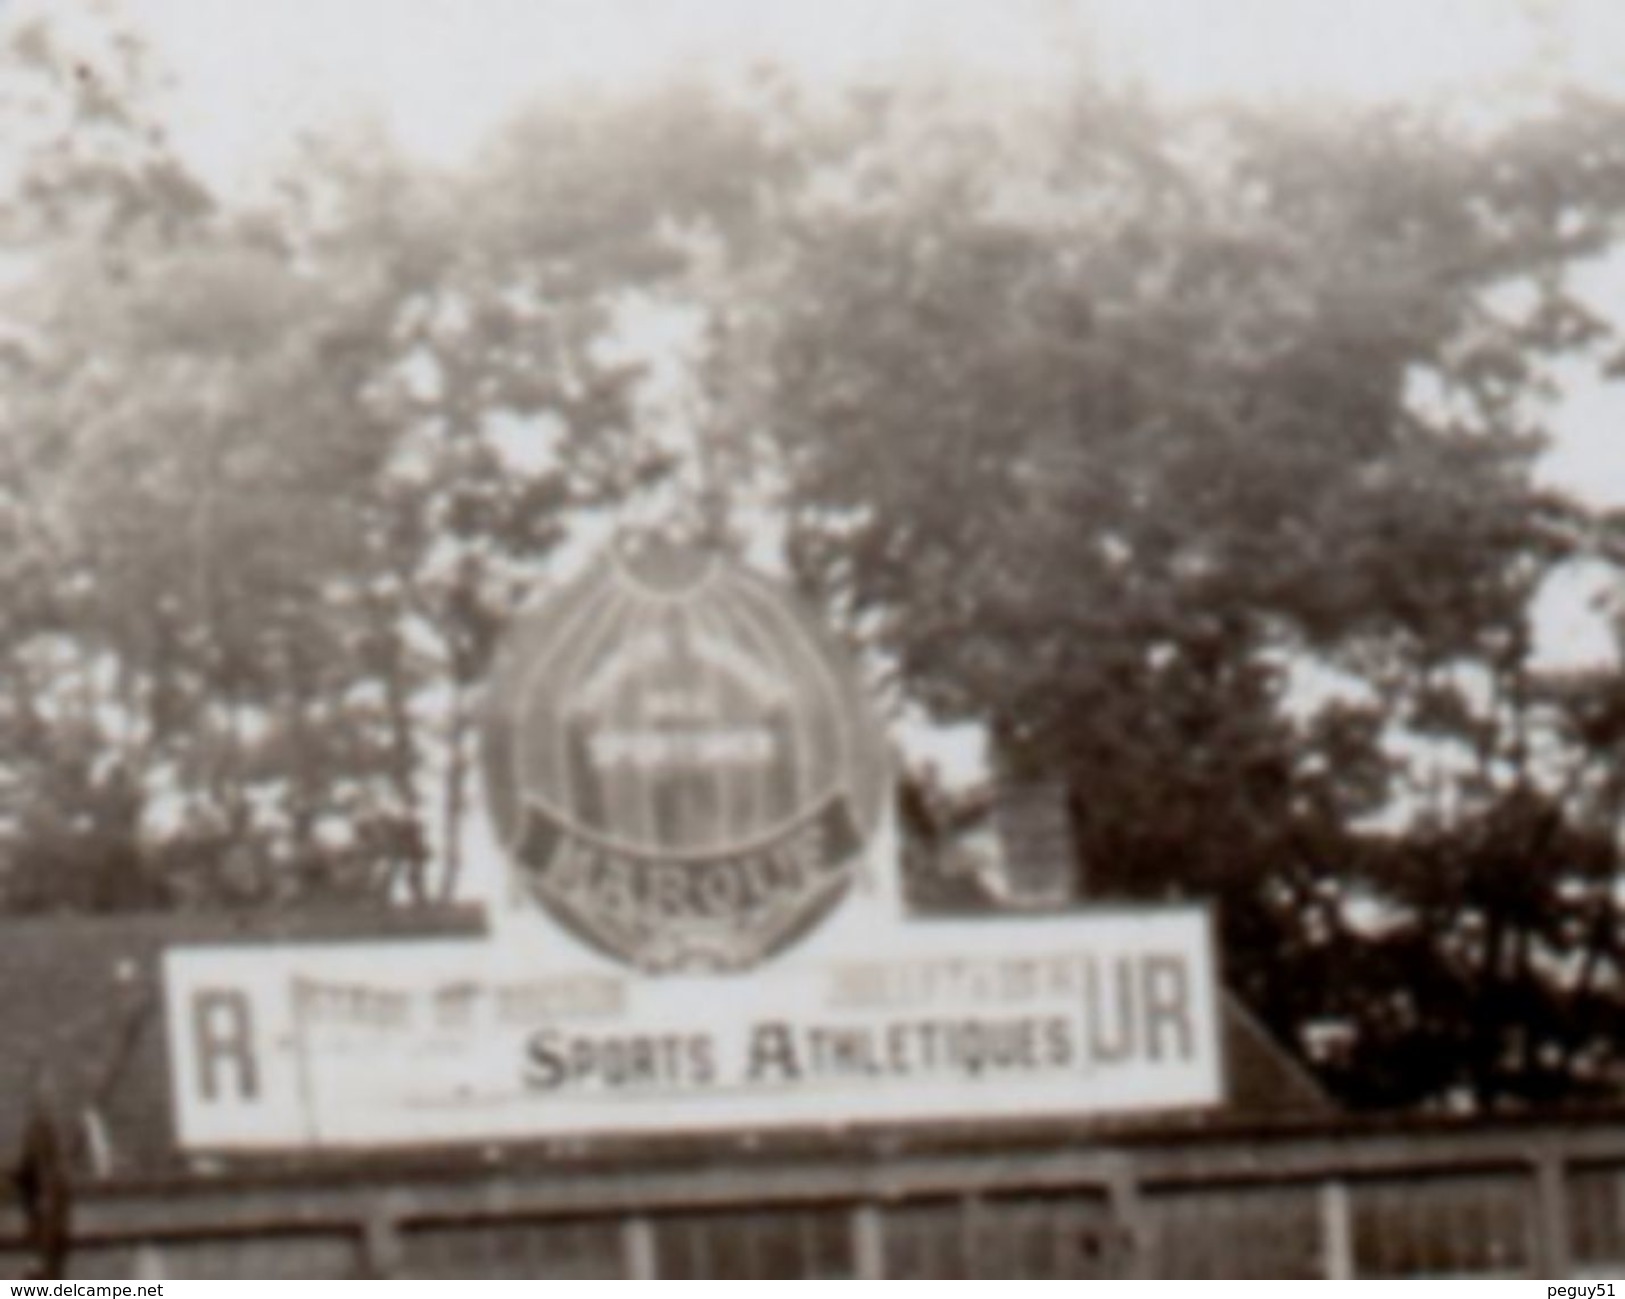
(677, 909)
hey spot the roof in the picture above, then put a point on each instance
(81, 1012)
(1262, 1078)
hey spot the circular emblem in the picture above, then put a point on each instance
(682, 766)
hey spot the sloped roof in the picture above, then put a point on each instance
(81, 1012)
(1261, 1077)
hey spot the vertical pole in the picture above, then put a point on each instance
(96, 1141)
(868, 1243)
(638, 1248)
(1552, 1254)
(1336, 1232)
(301, 1058)
(148, 1262)
(973, 1240)
(380, 1243)
(1123, 1190)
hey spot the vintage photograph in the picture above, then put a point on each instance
(812, 639)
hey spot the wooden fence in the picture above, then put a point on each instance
(1534, 1198)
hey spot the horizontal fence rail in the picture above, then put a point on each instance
(1419, 1199)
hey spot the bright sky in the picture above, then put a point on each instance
(440, 72)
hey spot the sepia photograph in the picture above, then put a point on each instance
(827, 640)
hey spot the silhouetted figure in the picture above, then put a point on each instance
(41, 1179)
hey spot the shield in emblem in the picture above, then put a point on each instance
(682, 765)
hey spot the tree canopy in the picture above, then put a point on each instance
(1120, 430)
(1190, 453)
(274, 477)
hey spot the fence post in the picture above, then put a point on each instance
(972, 1240)
(638, 1248)
(1336, 1232)
(147, 1264)
(1128, 1210)
(380, 1242)
(868, 1243)
(1552, 1254)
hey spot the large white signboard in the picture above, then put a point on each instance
(701, 928)
(417, 1042)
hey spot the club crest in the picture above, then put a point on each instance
(681, 764)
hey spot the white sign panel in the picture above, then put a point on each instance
(412, 1042)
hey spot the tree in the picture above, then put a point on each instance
(1110, 429)
(510, 415)
(273, 478)
(1190, 454)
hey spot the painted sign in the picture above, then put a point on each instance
(305, 1046)
(689, 785)
(682, 767)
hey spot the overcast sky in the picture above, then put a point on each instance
(440, 72)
